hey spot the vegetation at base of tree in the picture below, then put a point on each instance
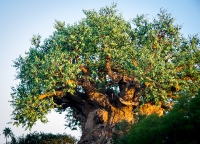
(42, 138)
(180, 125)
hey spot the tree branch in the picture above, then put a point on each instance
(114, 76)
(128, 85)
(93, 93)
(57, 93)
(128, 103)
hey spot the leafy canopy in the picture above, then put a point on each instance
(153, 51)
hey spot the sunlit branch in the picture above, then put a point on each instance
(57, 93)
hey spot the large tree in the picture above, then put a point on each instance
(105, 69)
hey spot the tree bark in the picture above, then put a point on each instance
(100, 110)
(98, 122)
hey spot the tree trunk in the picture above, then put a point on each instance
(99, 124)
(98, 110)
(98, 113)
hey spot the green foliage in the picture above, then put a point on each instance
(121, 130)
(71, 122)
(152, 51)
(180, 125)
(43, 138)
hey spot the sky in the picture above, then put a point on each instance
(21, 19)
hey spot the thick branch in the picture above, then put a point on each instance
(128, 103)
(128, 90)
(65, 99)
(85, 70)
(114, 76)
(57, 93)
(88, 87)
(128, 85)
(94, 95)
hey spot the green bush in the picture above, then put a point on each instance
(43, 138)
(180, 125)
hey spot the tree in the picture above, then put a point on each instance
(7, 133)
(105, 69)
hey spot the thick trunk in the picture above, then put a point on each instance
(99, 124)
(98, 114)
(99, 110)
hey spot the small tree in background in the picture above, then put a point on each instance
(7, 133)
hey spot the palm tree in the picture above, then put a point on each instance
(7, 133)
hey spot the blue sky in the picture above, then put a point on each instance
(20, 20)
